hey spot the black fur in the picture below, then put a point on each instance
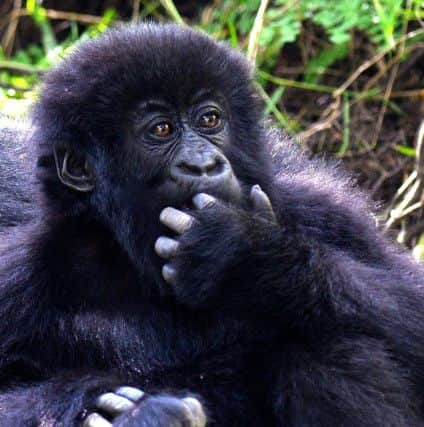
(315, 321)
(16, 199)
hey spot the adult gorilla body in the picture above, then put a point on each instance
(298, 314)
(16, 198)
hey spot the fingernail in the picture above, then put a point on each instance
(203, 200)
(169, 273)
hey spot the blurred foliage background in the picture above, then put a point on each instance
(342, 76)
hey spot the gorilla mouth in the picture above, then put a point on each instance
(229, 191)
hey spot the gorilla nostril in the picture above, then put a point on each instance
(190, 169)
(216, 169)
(209, 167)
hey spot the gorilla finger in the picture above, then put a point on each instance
(178, 221)
(131, 393)
(169, 274)
(261, 202)
(96, 420)
(198, 416)
(166, 247)
(203, 200)
(113, 404)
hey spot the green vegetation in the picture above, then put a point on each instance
(383, 21)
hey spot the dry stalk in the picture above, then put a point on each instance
(409, 198)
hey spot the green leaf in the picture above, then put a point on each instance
(346, 125)
(406, 151)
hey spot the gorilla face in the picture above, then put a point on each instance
(182, 148)
(170, 150)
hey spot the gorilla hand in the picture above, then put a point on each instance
(211, 231)
(130, 407)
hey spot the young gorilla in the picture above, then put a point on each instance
(169, 258)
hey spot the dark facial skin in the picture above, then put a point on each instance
(189, 142)
(182, 150)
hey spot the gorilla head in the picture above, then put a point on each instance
(156, 108)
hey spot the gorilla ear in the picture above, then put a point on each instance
(73, 170)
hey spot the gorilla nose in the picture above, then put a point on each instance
(204, 167)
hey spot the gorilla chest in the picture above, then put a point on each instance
(157, 344)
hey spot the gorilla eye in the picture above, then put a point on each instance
(209, 120)
(162, 130)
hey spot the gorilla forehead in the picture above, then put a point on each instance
(109, 75)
